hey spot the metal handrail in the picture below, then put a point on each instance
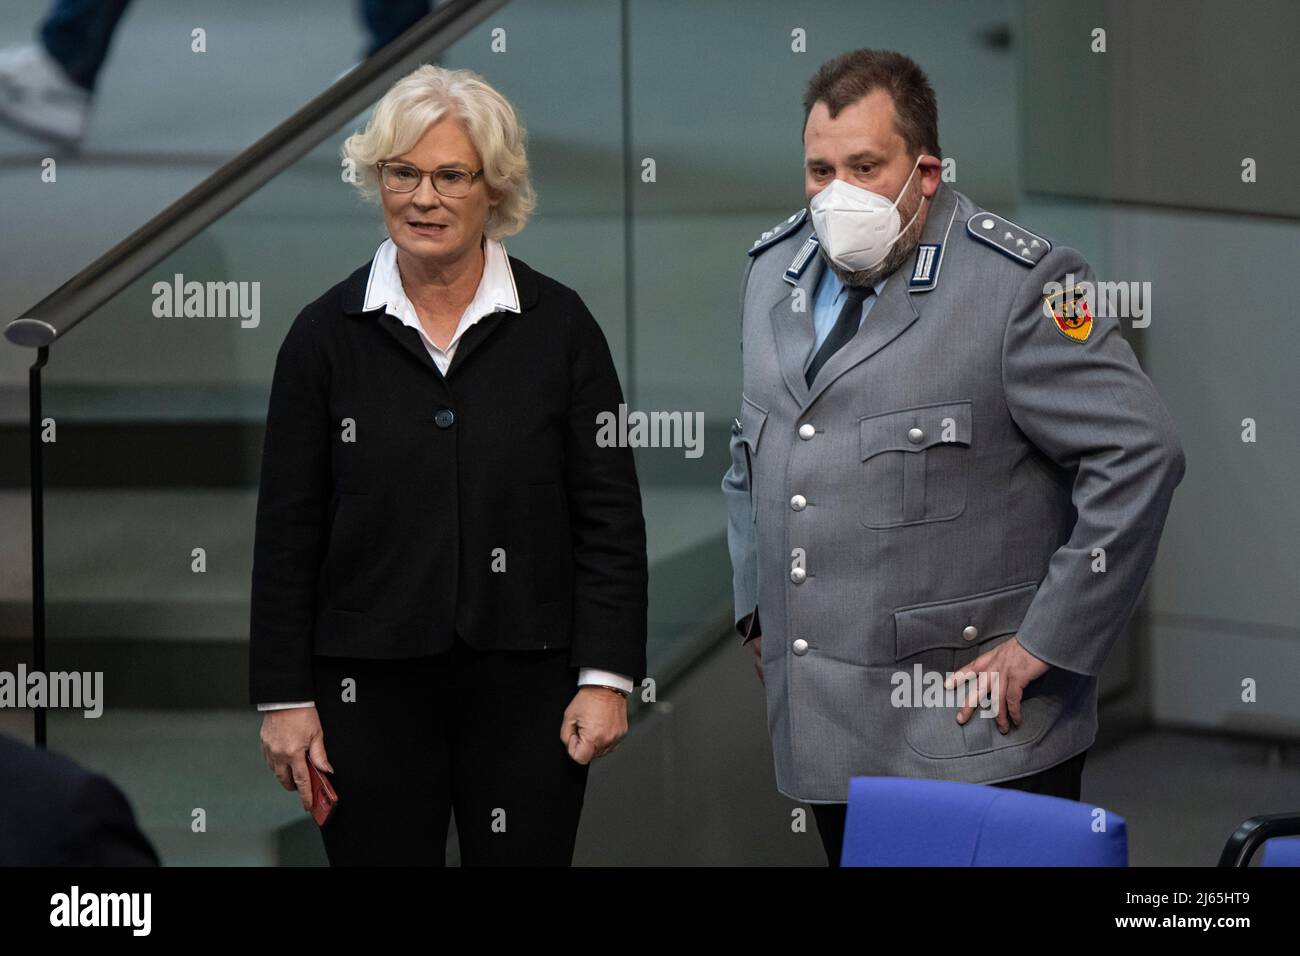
(98, 282)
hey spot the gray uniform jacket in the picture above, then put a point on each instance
(968, 468)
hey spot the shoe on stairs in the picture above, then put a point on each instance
(39, 98)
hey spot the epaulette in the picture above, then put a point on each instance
(1015, 242)
(778, 232)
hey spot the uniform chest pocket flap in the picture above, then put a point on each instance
(915, 464)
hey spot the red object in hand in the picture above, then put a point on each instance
(323, 797)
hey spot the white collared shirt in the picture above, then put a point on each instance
(496, 292)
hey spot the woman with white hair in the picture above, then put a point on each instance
(449, 574)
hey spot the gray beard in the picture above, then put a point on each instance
(899, 253)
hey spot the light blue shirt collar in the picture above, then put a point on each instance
(831, 289)
(829, 299)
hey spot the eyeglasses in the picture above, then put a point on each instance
(449, 181)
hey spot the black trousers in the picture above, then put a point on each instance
(470, 731)
(1063, 780)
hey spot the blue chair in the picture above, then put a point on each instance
(1284, 852)
(1275, 832)
(898, 821)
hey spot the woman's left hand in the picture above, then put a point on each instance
(594, 722)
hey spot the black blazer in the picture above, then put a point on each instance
(54, 812)
(391, 495)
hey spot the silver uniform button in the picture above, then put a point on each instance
(798, 502)
(797, 575)
(970, 633)
(806, 432)
(800, 647)
(914, 435)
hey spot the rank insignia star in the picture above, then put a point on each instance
(1069, 310)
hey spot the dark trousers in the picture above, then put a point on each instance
(1063, 780)
(77, 33)
(388, 19)
(470, 731)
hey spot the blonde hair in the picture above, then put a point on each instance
(423, 97)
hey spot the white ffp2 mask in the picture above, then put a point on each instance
(857, 227)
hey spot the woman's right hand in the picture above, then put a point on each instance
(289, 736)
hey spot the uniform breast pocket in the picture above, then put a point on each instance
(752, 417)
(915, 464)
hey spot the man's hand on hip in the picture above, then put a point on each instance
(1007, 671)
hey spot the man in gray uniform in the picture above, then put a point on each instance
(947, 467)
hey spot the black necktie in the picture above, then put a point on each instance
(846, 326)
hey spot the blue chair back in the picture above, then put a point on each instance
(1281, 851)
(896, 821)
